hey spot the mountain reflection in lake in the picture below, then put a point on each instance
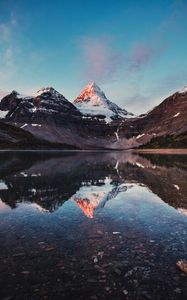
(92, 225)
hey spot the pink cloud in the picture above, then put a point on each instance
(140, 56)
(3, 94)
(102, 61)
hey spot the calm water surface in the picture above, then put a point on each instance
(92, 226)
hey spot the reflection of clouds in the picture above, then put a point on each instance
(3, 206)
(92, 197)
(92, 179)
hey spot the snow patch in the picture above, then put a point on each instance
(3, 185)
(116, 166)
(176, 115)
(21, 96)
(176, 186)
(35, 175)
(24, 174)
(140, 135)
(87, 109)
(140, 165)
(3, 113)
(117, 136)
(36, 125)
(24, 125)
(184, 90)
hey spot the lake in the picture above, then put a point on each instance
(102, 225)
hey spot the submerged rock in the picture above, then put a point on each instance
(182, 265)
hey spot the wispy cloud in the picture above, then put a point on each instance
(8, 56)
(5, 32)
(140, 56)
(7, 47)
(104, 62)
(13, 19)
(7, 64)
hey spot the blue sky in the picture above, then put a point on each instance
(134, 50)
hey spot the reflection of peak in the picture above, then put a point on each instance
(90, 198)
(87, 206)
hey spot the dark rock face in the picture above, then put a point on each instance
(12, 137)
(44, 115)
(10, 102)
(47, 103)
(168, 118)
(51, 117)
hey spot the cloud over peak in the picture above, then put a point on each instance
(104, 62)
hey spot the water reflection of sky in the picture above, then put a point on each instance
(130, 186)
(79, 224)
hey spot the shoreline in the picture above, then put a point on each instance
(149, 151)
(161, 151)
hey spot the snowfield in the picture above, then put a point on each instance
(92, 101)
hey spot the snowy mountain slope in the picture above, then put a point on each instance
(93, 102)
(50, 116)
(47, 101)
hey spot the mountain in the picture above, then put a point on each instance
(46, 102)
(92, 121)
(93, 102)
(167, 119)
(44, 115)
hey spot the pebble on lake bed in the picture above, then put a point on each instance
(182, 265)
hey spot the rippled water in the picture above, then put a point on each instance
(92, 225)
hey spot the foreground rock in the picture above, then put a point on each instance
(182, 265)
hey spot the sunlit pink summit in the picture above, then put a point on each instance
(93, 101)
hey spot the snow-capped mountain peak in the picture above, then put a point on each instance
(92, 94)
(49, 90)
(184, 90)
(92, 101)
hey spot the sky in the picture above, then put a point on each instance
(134, 50)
